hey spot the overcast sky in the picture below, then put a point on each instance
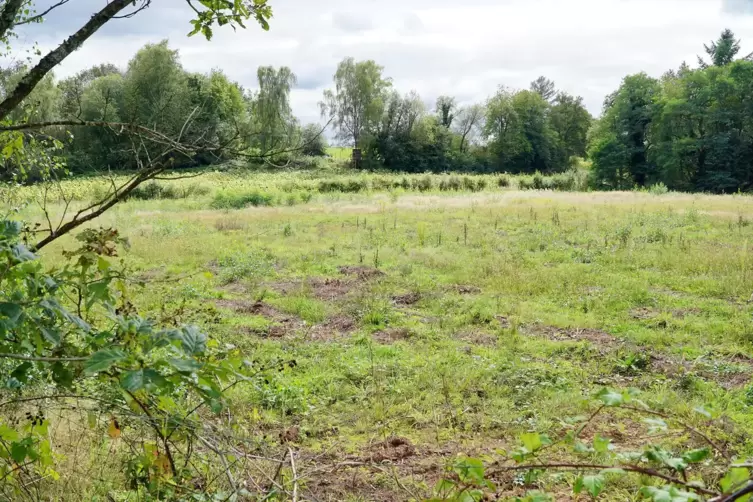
(461, 48)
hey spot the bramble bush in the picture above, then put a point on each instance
(73, 333)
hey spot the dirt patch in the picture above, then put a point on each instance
(389, 336)
(465, 289)
(503, 321)
(361, 272)
(625, 433)
(392, 449)
(327, 288)
(648, 313)
(282, 324)
(595, 336)
(333, 328)
(644, 313)
(407, 299)
(732, 373)
(477, 338)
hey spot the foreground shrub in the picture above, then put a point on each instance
(162, 381)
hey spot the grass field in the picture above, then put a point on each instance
(428, 326)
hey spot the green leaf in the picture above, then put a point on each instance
(12, 312)
(601, 444)
(531, 441)
(192, 340)
(133, 380)
(655, 425)
(734, 479)
(667, 494)
(695, 456)
(610, 398)
(18, 452)
(535, 496)
(103, 360)
(9, 229)
(184, 365)
(470, 470)
(21, 254)
(51, 335)
(8, 433)
(592, 484)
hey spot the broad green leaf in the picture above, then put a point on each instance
(12, 312)
(470, 470)
(734, 479)
(18, 452)
(8, 433)
(531, 441)
(667, 494)
(601, 444)
(610, 398)
(592, 484)
(21, 254)
(655, 425)
(133, 380)
(192, 340)
(184, 365)
(10, 229)
(695, 456)
(535, 496)
(103, 360)
(51, 335)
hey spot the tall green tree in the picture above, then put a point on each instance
(722, 51)
(620, 148)
(544, 88)
(520, 134)
(357, 103)
(446, 110)
(272, 114)
(571, 121)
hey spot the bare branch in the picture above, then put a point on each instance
(41, 15)
(56, 56)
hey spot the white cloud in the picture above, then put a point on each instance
(436, 47)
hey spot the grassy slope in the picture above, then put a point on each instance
(498, 313)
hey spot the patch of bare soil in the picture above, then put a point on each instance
(732, 373)
(503, 321)
(647, 313)
(476, 337)
(333, 328)
(407, 299)
(392, 449)
(625, 434)
(465, 289)
(595, 336)
(328, 288)
(283, 324)
(389, 336)
(362, 272)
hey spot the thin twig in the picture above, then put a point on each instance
(295, 475)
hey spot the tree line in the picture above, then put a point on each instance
(690, 129)
(156, 92)
(524, 131)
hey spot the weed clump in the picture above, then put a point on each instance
(240, 200)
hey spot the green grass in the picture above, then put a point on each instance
(520, 305)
